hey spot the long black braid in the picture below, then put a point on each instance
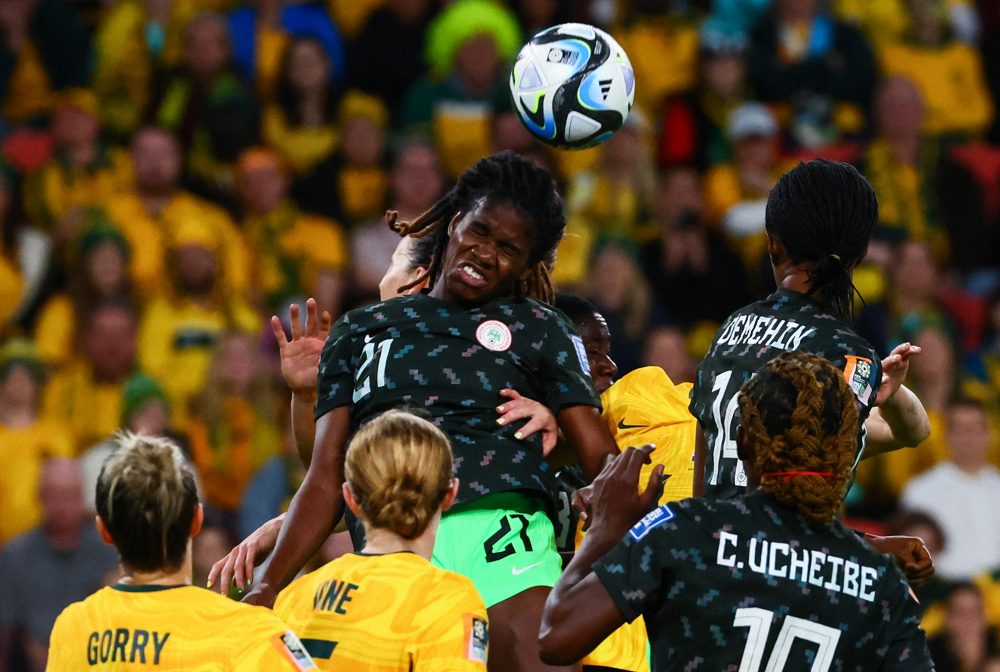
(500, 178)
(824, 212)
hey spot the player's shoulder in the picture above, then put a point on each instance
(78, 613)
(457, 587)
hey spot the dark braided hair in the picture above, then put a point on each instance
(500, 178)
(824, 212)
(802, 420)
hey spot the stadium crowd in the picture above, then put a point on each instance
(174, 172)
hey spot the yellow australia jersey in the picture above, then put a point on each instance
(124, 628)
(387, 613)
(645, 406)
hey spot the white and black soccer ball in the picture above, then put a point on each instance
(572, 86)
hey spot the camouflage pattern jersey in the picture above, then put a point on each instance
(450, 363)
(751, 337)
(751, 586)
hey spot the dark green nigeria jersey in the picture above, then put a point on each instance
(751, 337)
(420, 352)
(747, 584)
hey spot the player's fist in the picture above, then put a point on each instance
(262, 595)
(911, 556)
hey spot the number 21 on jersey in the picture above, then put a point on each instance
(362, 377)
(724, 446)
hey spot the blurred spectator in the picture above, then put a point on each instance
(181, 326)
(357, 171)
(917, 283)
(981, 371)
(233, 428)
(84, 171)
(295, 254)
(301, 122)
(152, 213)
(269, 491)
(26, 438)
(99, 274)
(947, 72)
(963, 495)
(615, 196)
(967, 641)
(206, 105)
(615, 285)
(736, 192)
(86, 395)
(58, 563)
(145, 410)
(469, 47)
(902, 165)
(135, 41)
(822, 71)
(24, 260)
(261, 33)
(44, 48)
(389, 73)
(666, 348)
(694, 273)
(212, 543)
(887, 20)
(694, 123)
(662, 44)
(535, 16)
(416, 183)
(738, 16)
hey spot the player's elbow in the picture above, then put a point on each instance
(554, 645)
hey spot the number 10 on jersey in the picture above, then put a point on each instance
(363, 381)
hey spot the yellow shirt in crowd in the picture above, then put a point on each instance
(125, 628)
(91, 410)
(150, 238)
(176, 342)
(384, 613)
(23, 451)
(54, 189)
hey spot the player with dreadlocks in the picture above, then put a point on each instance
(770, 580)
(818, 221)
(449, 350)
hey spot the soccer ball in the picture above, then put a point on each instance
(572, 86)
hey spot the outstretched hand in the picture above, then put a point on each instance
(894, 368)
(613, 502)
(540, 418)
(300, 356)
(239, 563)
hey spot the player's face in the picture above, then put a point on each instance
(597, 341)
(488, 252)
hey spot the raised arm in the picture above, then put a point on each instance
(899, 420)
(314, 512)
(300, 366)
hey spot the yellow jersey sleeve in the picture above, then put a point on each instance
(645, 406)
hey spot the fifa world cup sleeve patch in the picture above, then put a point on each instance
(581, 353)
(290, 646)
(477, 638)
(858, 374)
(654, 518)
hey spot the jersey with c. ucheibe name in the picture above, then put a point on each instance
(748, 584)
(752, 336)
(451, 363)
(130, 628)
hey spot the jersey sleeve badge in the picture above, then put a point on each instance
(654, 518)
(477, 638)
(292, 648)
(858, 374)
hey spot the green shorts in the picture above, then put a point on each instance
(505, 543)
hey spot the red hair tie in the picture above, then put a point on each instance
(787, 475)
